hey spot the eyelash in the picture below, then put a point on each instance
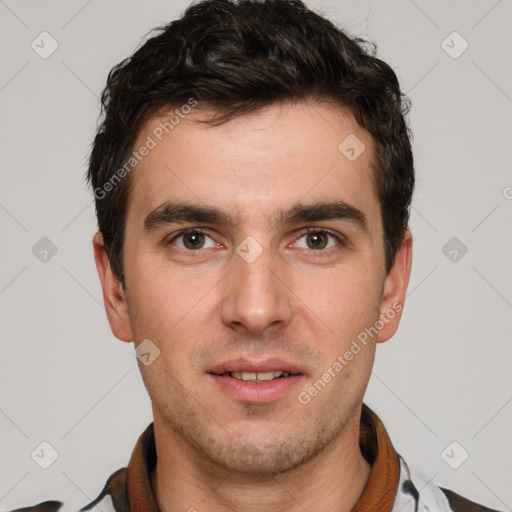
(342, 241)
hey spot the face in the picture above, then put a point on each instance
(280, 269)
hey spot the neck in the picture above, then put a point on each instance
(334, 480)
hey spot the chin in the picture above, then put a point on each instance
(254, 461)
(270, 452)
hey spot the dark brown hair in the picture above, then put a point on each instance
(237, 57)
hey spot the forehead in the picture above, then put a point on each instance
(256, 165)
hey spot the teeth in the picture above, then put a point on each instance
(257, 377)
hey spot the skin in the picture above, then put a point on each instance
(302, 304)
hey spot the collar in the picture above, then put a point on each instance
(380, 489)
(378, 494)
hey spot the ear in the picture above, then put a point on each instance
(113, 293)
(395, 288)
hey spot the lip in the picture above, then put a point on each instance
(256, 392)
(247, 365)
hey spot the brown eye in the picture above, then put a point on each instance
(318, 240)
(193, 240)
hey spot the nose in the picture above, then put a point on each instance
(256, 294)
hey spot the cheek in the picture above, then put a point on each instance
(175, 313)
(344, 300)
(164, 297)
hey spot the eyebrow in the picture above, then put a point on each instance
(172, 212)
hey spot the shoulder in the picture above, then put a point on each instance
(103, 503)
(416, 493)
(45, 506)
(461, 504)
(111, 499)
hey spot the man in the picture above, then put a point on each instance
(253, 177)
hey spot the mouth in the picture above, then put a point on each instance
(257, 376)
(256, 382)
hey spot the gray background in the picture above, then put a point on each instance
(444, 377)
